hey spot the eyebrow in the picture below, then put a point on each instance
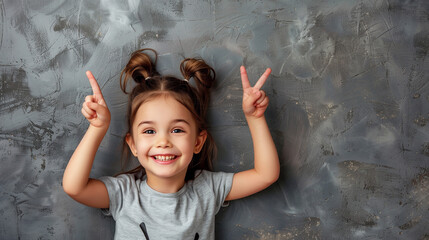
(174, 121)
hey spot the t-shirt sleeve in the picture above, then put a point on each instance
(221, 184)
(117, 188)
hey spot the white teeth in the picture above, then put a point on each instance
(165, 158)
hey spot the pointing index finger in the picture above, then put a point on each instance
(262, 79)
(94, 85)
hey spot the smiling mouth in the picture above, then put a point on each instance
(164, 158)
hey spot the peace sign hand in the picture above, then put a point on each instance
(255, 101)
(94, 108)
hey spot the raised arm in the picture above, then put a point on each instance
(266, 167)
(76, 181)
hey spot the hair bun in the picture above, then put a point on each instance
(203, 74)
(204, 77)
(139, 67)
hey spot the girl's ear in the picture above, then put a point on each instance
(201, 139)
(131, 144)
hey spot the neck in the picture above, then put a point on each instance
(165, 185)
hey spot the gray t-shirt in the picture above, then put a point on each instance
(187, 214)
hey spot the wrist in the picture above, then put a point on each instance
(254, 118)
(99, 129)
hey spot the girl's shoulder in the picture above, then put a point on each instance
(209, 174)
(212, 186)
(213, 179)
(123, 181)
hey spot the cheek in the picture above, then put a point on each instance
(189, 144)
(142, 145)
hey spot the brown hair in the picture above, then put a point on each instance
(150, 84)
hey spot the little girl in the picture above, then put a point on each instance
(173, 194)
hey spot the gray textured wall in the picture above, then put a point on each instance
(349, 109)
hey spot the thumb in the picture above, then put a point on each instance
(253, 96)
(97, 107)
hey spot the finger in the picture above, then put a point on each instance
(262, 79)
(87, 109)
(90, 98)
(261, 98)
(264, 102)
(94, 85)
(86, 115)
(99, 109)
(244, 78)
(93, 99)
(94, 106)
(252, 97)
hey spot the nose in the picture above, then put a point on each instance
(163, 140)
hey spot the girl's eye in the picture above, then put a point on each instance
(177, 130)
(149, 131)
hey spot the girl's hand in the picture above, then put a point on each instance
(255, 101)
(94, 108)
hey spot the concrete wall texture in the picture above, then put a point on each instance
(349, 109)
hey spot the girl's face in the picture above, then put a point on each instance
(164, 138)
